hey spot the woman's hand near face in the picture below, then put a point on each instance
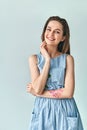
(43, 50)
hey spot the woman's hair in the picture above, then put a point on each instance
(64, 46)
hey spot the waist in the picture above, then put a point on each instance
(53, 86)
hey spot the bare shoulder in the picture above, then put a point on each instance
(33, 58)
(70, 60)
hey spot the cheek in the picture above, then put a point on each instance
(59, 37)
(45, 34)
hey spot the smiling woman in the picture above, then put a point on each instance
(53, 82)
(54, 33)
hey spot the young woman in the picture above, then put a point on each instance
(53, 82)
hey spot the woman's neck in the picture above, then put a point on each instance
(53, 52)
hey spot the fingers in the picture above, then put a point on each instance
(29, 85)
(43, 44)
(43, 47)
(44, 50)
(56, 93)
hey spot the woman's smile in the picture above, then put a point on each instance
(50, 38)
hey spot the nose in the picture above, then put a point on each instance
(51, 33)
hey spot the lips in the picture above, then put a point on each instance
(51, 39)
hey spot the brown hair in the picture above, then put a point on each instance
(64, 46)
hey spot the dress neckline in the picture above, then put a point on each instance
(57, 56)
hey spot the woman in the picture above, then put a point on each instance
(52, 75)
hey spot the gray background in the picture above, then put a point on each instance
(21, 23)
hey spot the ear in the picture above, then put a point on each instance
(63, 38)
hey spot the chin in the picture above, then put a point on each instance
(50, 42)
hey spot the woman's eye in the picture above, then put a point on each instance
(57, 32)
(48, 29)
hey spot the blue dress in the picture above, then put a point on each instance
(55, 114)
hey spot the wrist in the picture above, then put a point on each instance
(47, 60)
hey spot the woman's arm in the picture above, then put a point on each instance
(68, 90)
(39, 79)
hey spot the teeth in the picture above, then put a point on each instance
(50, 39)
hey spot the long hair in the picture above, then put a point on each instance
(64, 46)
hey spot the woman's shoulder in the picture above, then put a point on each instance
(33, 58)
(70, 58)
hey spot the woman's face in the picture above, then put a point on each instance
(54, 33)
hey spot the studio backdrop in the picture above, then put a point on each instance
(21, 24)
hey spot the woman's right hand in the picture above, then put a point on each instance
(43, 50)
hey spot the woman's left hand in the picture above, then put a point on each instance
(30, 89)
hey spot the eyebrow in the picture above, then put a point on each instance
(55, 29)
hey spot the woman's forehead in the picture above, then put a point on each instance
(55, 24)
